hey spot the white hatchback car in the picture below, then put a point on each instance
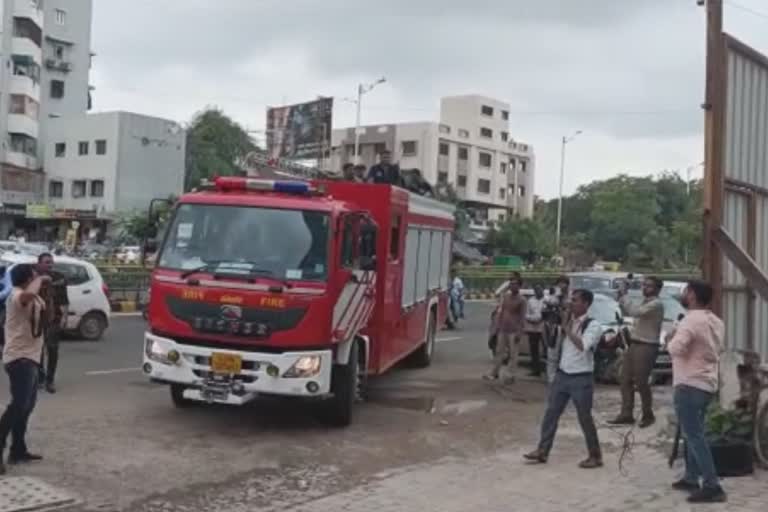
(87, 292)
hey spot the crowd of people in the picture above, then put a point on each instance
(559, 326)
(385, 172)
(34, 305)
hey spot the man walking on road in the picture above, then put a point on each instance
(574, 381)
(534, 328)
(510, 322)
(21, 357)
(641, 355)
(57, 305)
(695, 348)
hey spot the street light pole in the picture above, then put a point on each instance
(565, 142)
(361, 90)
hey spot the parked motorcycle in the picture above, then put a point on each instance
(609, 356)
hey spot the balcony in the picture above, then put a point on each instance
(58, 65)
(21, 84)
(22, 123)
(27, 47)
(27, 9)
(21, 160)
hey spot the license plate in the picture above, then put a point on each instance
(229, 364)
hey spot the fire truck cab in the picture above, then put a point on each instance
(293, 288)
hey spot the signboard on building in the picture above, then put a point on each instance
(39, 211)
(300, 131)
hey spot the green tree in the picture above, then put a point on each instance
(522, 237)
(216, 145)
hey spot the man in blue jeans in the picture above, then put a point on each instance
(21, 357)
(695, 348)
(573, 382)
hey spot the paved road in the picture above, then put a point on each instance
(435, 439)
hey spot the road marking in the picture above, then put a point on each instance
(442, 340)
(110, 372)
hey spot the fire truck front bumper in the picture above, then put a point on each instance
(236, 377)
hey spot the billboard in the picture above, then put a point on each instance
(300, 131)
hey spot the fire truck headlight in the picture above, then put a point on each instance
(304, 367)
(161, 352)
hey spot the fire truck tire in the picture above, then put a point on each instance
(345, 387)
(177, 396)
(422, 358)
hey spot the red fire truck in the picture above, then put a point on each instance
(295, 288)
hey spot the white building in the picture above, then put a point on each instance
(45, 53)
(99, 165)
(470, 148)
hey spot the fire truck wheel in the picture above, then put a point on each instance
(177, 395)
(345, 383)
(422, 358)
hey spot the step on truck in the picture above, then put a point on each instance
(295, 288)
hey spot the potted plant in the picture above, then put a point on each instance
(729, 432)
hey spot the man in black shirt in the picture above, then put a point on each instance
(385, 171)
(57, 306)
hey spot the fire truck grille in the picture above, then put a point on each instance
(239, 321)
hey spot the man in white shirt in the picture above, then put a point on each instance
(534, 328)
(574, 381)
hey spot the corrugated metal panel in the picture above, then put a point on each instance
(746, 134)
(746, 164)
(735, 222)
(761, 257)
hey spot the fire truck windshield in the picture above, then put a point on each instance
(287, 244)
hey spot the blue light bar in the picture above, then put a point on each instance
(291, 187)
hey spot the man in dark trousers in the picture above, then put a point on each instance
(57, 306)
(643, 350)
(385, 171)
(574, 382)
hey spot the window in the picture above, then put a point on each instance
(101, 147)
(523, 165)
(505, 115)
(58, 51)
(502, 193)
(485, 159)
(57, 89)
(379, 148)
(484, 186)
(486, 132)
(444, 128)
(61, 16)
(464, 134)
(442, 177)
(82, 148)
(74, 274)
(503, 168)
(461, 181)
(486, 110)
(60, 149)
(348, 244)
(24, 105)
(55, 189)
(504, 136)
(78, 188)
(21, 143)
(501, 219)
(97, 188)
(463, 153)
(409, 148)
(522, 190)
(512, 164)
(394, 238)
(444, 149)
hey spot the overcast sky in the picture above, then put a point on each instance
(629, 73)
